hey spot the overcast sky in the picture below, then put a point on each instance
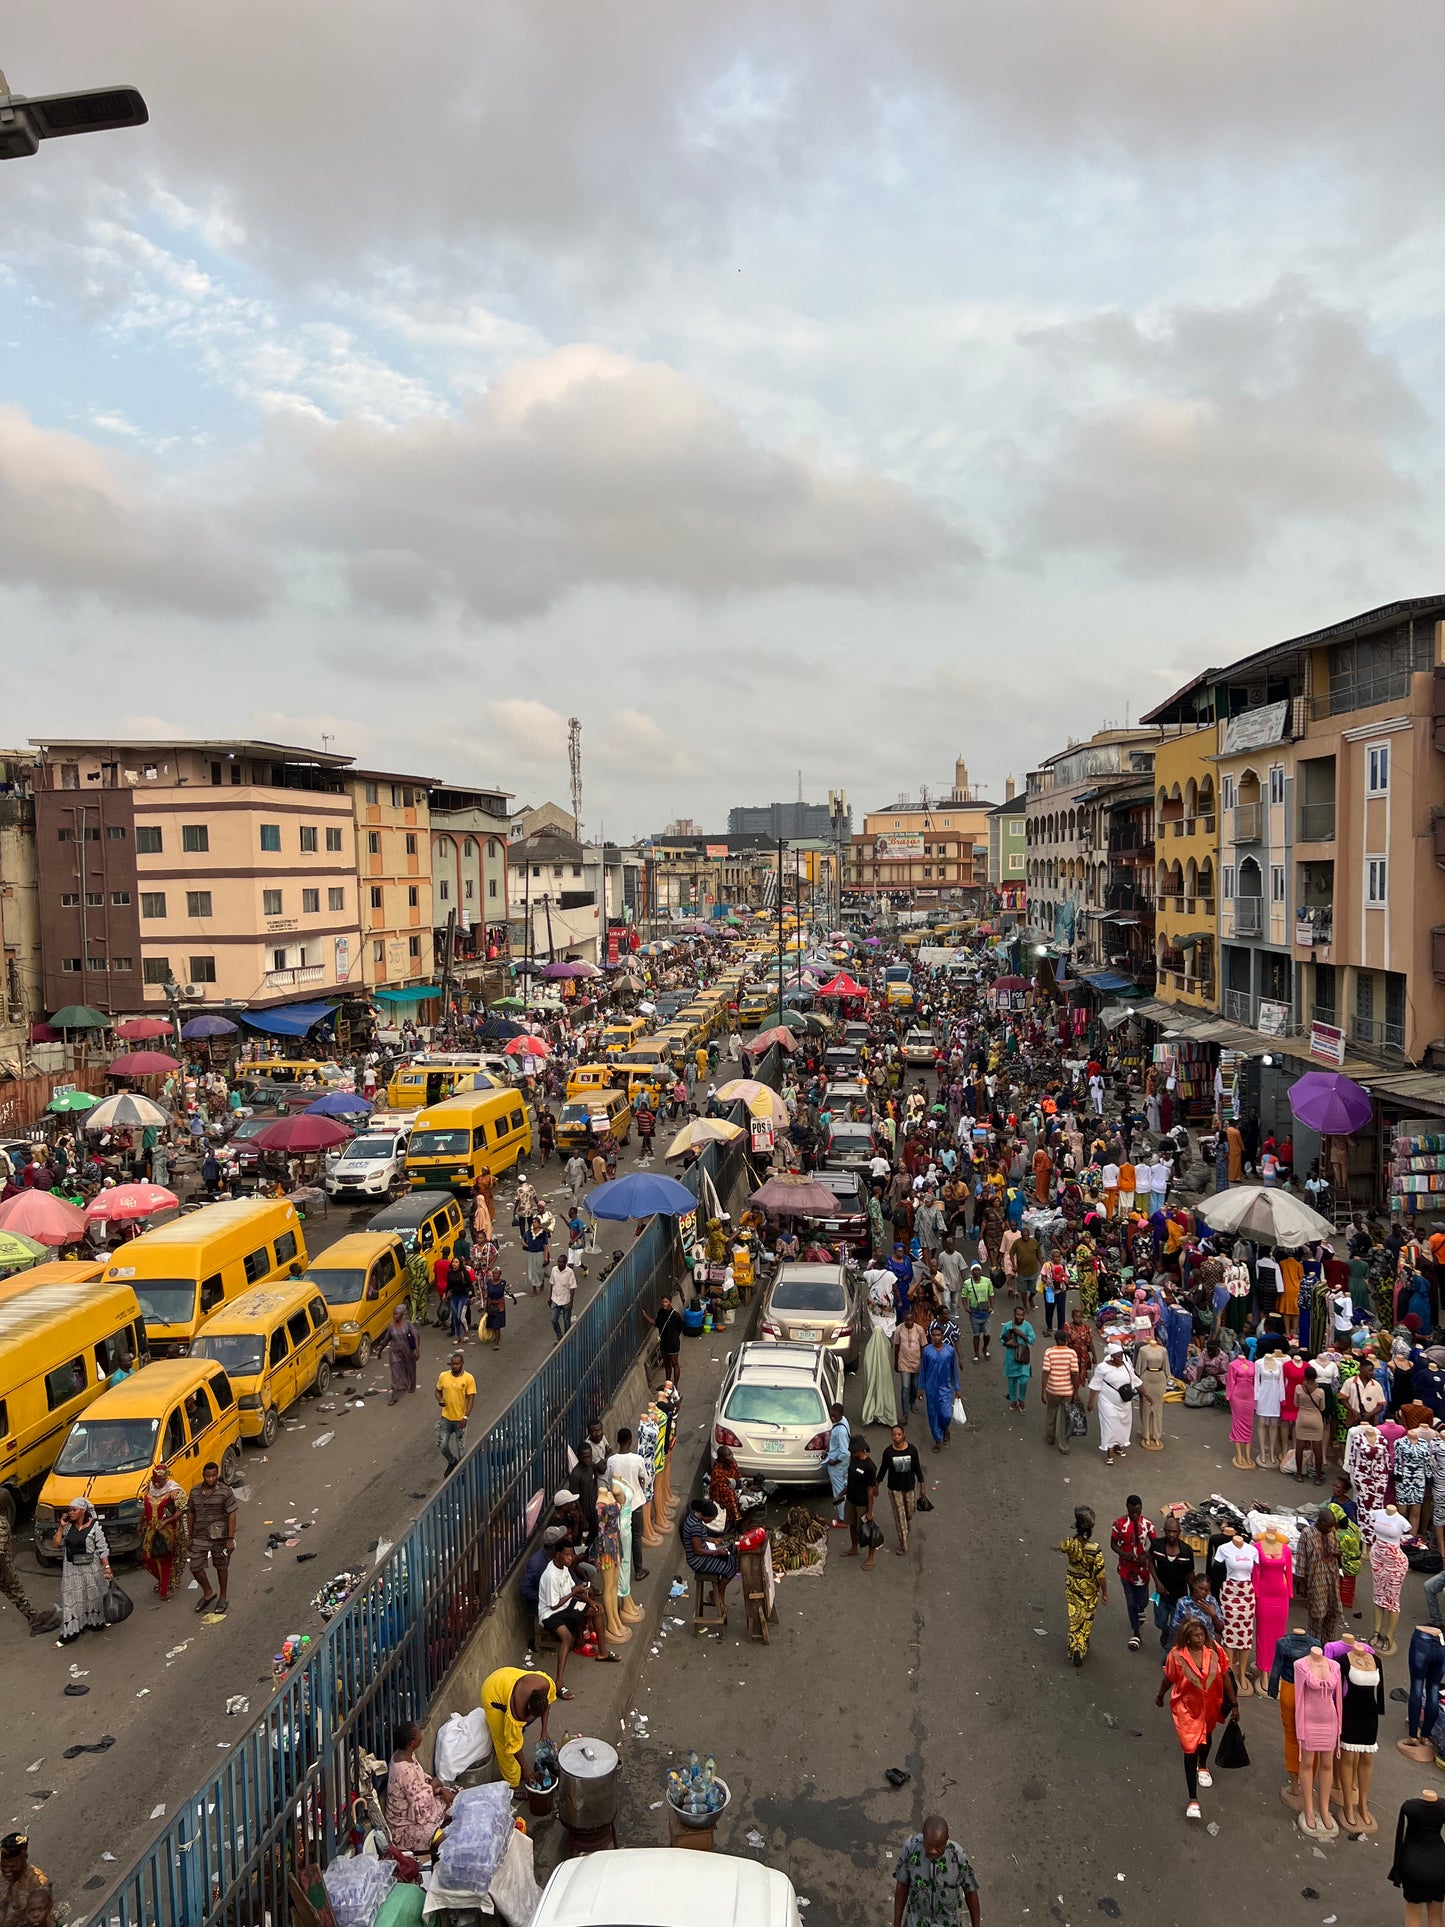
(774, 386)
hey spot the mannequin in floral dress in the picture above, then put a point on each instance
(1367, 1460)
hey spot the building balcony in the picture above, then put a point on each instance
(1130, 840)
(1238, 1007)
(1248, 916)
(1378, 1036)
(1248, 823)
(1437, 825)
(1126, 896)
(1314, 927)
(1317, 823)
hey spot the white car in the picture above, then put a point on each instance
(371, 1166)
(666, 1887)
(772, 1411)
(919, 1047)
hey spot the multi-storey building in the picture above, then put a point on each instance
(814, 821)
(555, 887)
(694, 874)
(1186, 857)
(20, 968)
(1066, 836)
(225, 867)
(1008, 849)
(920, 852)
(470, 830)
(394, 868)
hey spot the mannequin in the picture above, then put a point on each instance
(1427, 1668)
(628, 1609)
(1368, 1463)
(1318, 1697)
(1388, 1566)
(668, 1400)
(1418, 1869)
(1414, 1463)
(1273, 1582)
(1282, 1680)
(1239, 1389)
(1364, 1702)
(609, 1558)
(1268, 1397)
(1236, 1597)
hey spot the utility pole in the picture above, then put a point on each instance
(780, 927)
(547, 906)
(449, 943)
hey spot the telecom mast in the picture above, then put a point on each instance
(574, 759)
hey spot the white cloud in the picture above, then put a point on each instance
(528, 732)
(637, 746)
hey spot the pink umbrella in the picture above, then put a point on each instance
(765, 1040)
(42, 1216)
(298, 1135)
(142, 1063)
(526, 1047)
(140, 1030)
(124, 1202)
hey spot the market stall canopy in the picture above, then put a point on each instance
(780, 1035)
(760, 1099)
(142, 1063)
(125, 1203)
(795, 1196)
(292, 1021)
(42, 1216)
(140, 1030)
(526, 1046)
(641, 1194)
(79, 1017)
(703, 1130)
(72, 1101)
(200, 1028)
(1330, 1103)
(1010, 983)
(571, 967)
(413, 994)
(510, 1003)
(298, 1136)
(340, 1104)
(1266, 1214)
(842, 986)
(498, 1029)
(15, 1250)
(126, 1111)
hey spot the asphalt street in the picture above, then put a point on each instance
(159, 1684)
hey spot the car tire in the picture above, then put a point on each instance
(362, 1355)
(323, 1378)
(270, 1426)
(230, 1465)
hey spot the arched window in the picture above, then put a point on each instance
(469, 848)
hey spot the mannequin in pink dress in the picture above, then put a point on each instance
(1273, 1582)
(1239, 1390)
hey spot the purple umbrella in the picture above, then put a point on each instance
(1330, 1103)
(572, 969)
(207, 1027)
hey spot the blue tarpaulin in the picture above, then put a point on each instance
(408, 996)
(294, 1020)
(1107, 980)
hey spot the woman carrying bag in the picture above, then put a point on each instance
(84, 1573)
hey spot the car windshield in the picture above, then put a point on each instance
(579, 1114)
(341, 1287)
(811, 1295)
(166, 1301)
(849, 1140)
(108, 1445)
(250, 1127)
(775, 1405)
(843, 1185)
(440, 1144)
(369, 1147)
(240, 1352)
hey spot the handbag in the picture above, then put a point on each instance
(1078, 1420)
(1126, 1394)
(117, 1604)
(1231, 1751)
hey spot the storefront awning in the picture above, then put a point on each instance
(1192, 937)
(413, 994)
(1113, 980)
(291, 1020)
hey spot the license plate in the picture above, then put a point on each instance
(806, 1335)
(772, 1445)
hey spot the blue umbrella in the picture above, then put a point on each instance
(639, 1195)
(200, 1027)
(340, 1104)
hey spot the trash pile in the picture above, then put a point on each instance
(797, 1546)
(333, 1595)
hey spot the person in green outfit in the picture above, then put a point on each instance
(1017, 1339)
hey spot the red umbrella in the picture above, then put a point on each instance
(142, 1063)
(42, 1216)
(1010, 983)
(123, 1202)
(526, 1047)
(308, 1132)
(841, 986)
(796, 1196)
(765, 1040)
(139, 1030)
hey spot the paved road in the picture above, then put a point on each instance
(160, 1683)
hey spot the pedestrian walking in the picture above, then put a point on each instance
(1197, 1681)
(562, 1290)
(977, 1294)
(458, 1285)
(646, 1122)
(1017, 1339)
(163, 1527)
(575, 1172)
(860, 1492)
(900, 1471)
(11, 1588)
(1059, 1387)
(1111, 1391)
(668, 1326)
(934, 1880)
(939, 1384)
(402, 1347)
(211, 1529)
(1086, 1586)
(534, 1234)
(836, 1462)
(1131, 1541)
(907, 1357)
(456, 1394)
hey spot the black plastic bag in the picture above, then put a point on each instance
(1231, 1750)
(870, 1533)
(923, 1503)
(118, 1604)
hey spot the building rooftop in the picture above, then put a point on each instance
(287, 751)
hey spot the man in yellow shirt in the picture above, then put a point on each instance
(456, 1395)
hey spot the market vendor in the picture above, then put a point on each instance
(705, 1550)
(512, 1698)
(416, 1804)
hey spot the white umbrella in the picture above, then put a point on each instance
(1262, 1212)
(127, 1111)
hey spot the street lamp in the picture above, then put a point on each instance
(25, 122)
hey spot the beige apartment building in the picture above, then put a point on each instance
(394, 870)
(921, 851)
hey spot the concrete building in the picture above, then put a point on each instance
(1067, 854)
(1186, 859)
(545, 816)
(393, 865)
(1008, 850)
(923, 851)
(811, 821)
(696, 875)
(229, 867)
(555, 888)
(20, 957)
(470, 831)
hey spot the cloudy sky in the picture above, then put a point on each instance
(774, 386)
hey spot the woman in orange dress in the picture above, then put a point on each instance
(1198, 1681)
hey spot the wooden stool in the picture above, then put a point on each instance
(707, 1609)
(698, 1839)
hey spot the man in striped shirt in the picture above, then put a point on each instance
(1059, 1383)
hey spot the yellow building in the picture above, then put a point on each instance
(1186, 869)
(923, 850)
(394, 867)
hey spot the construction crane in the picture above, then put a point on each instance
(574, 760)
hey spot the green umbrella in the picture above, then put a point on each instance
(73, 1101)
(79, 1017)
(507, 1003)
(790, 1019)
(15, 1250)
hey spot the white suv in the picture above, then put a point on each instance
(371, 1166)
(772, 1411)
(918, 1047)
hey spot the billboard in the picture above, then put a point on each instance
(897, 846)
(715, 852)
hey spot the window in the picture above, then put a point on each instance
(271, 903)
(95, 963)
(109, 1351)
(153, 903)
(258, 1263)
(65, 1383)
(286, 1247)
(278, 958)
(70, 900)
(147, 839)
(491, 886)
(413, 898)
(1375, 880)
(376, 896)
(413, 946)
(310, 902)
(215, 775)
(333, 840)
(70, 965)
(1378, 766)
(308, 839)
(1228, 792)
(95, 899)
(378, 953)
(199, 1411)
(155, 970)
(271, 836)
(1227, 882)
(123, 964)
(411, 843)
(302, 958)
(1276, 883)
(1276, 782)
(516, 1120)
(536, 872)
(370, 793)
(444, 892)
(198, 903)
(501, 1127)
(120, 899)
(194, 837)
(175, 1436)
(201, 970)
(114, 832)
(556, 869)
(1015, 861)
(298, 1327)
(277, 1351)
(467, 889)
(336, 899)
(576, 869)
(373, 842)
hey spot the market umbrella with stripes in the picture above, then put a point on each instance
(1265, 1214)
(700, 1131)
(126, 1111)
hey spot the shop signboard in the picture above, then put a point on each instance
(1273, 1018)
(614, 944)
(1327, 1041)
(1255, 728)
(687, 1231)
(762, 1135)
(715, 852)
(897, 846)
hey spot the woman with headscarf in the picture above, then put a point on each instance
(84, 1572)
(1111, 1392)
(163, 1527)
(1086, 1584)
(879, 1400)
(401, 1351)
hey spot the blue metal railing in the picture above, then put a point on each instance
(285, 1790)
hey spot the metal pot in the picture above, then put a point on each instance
(588, 1793)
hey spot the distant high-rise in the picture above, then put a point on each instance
(783, 819)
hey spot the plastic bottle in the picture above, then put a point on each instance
(709, 1771)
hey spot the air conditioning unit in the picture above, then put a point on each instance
(193, 993)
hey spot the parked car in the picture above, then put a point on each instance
(850, 1147)
(371, 1166)
(850, 1226)
(840, 1060)
(854, 1035)
(812, 1304)
(772, 1411)
(919, 1047)
(844, 1092)
(667, 1887)
(241, 1147)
